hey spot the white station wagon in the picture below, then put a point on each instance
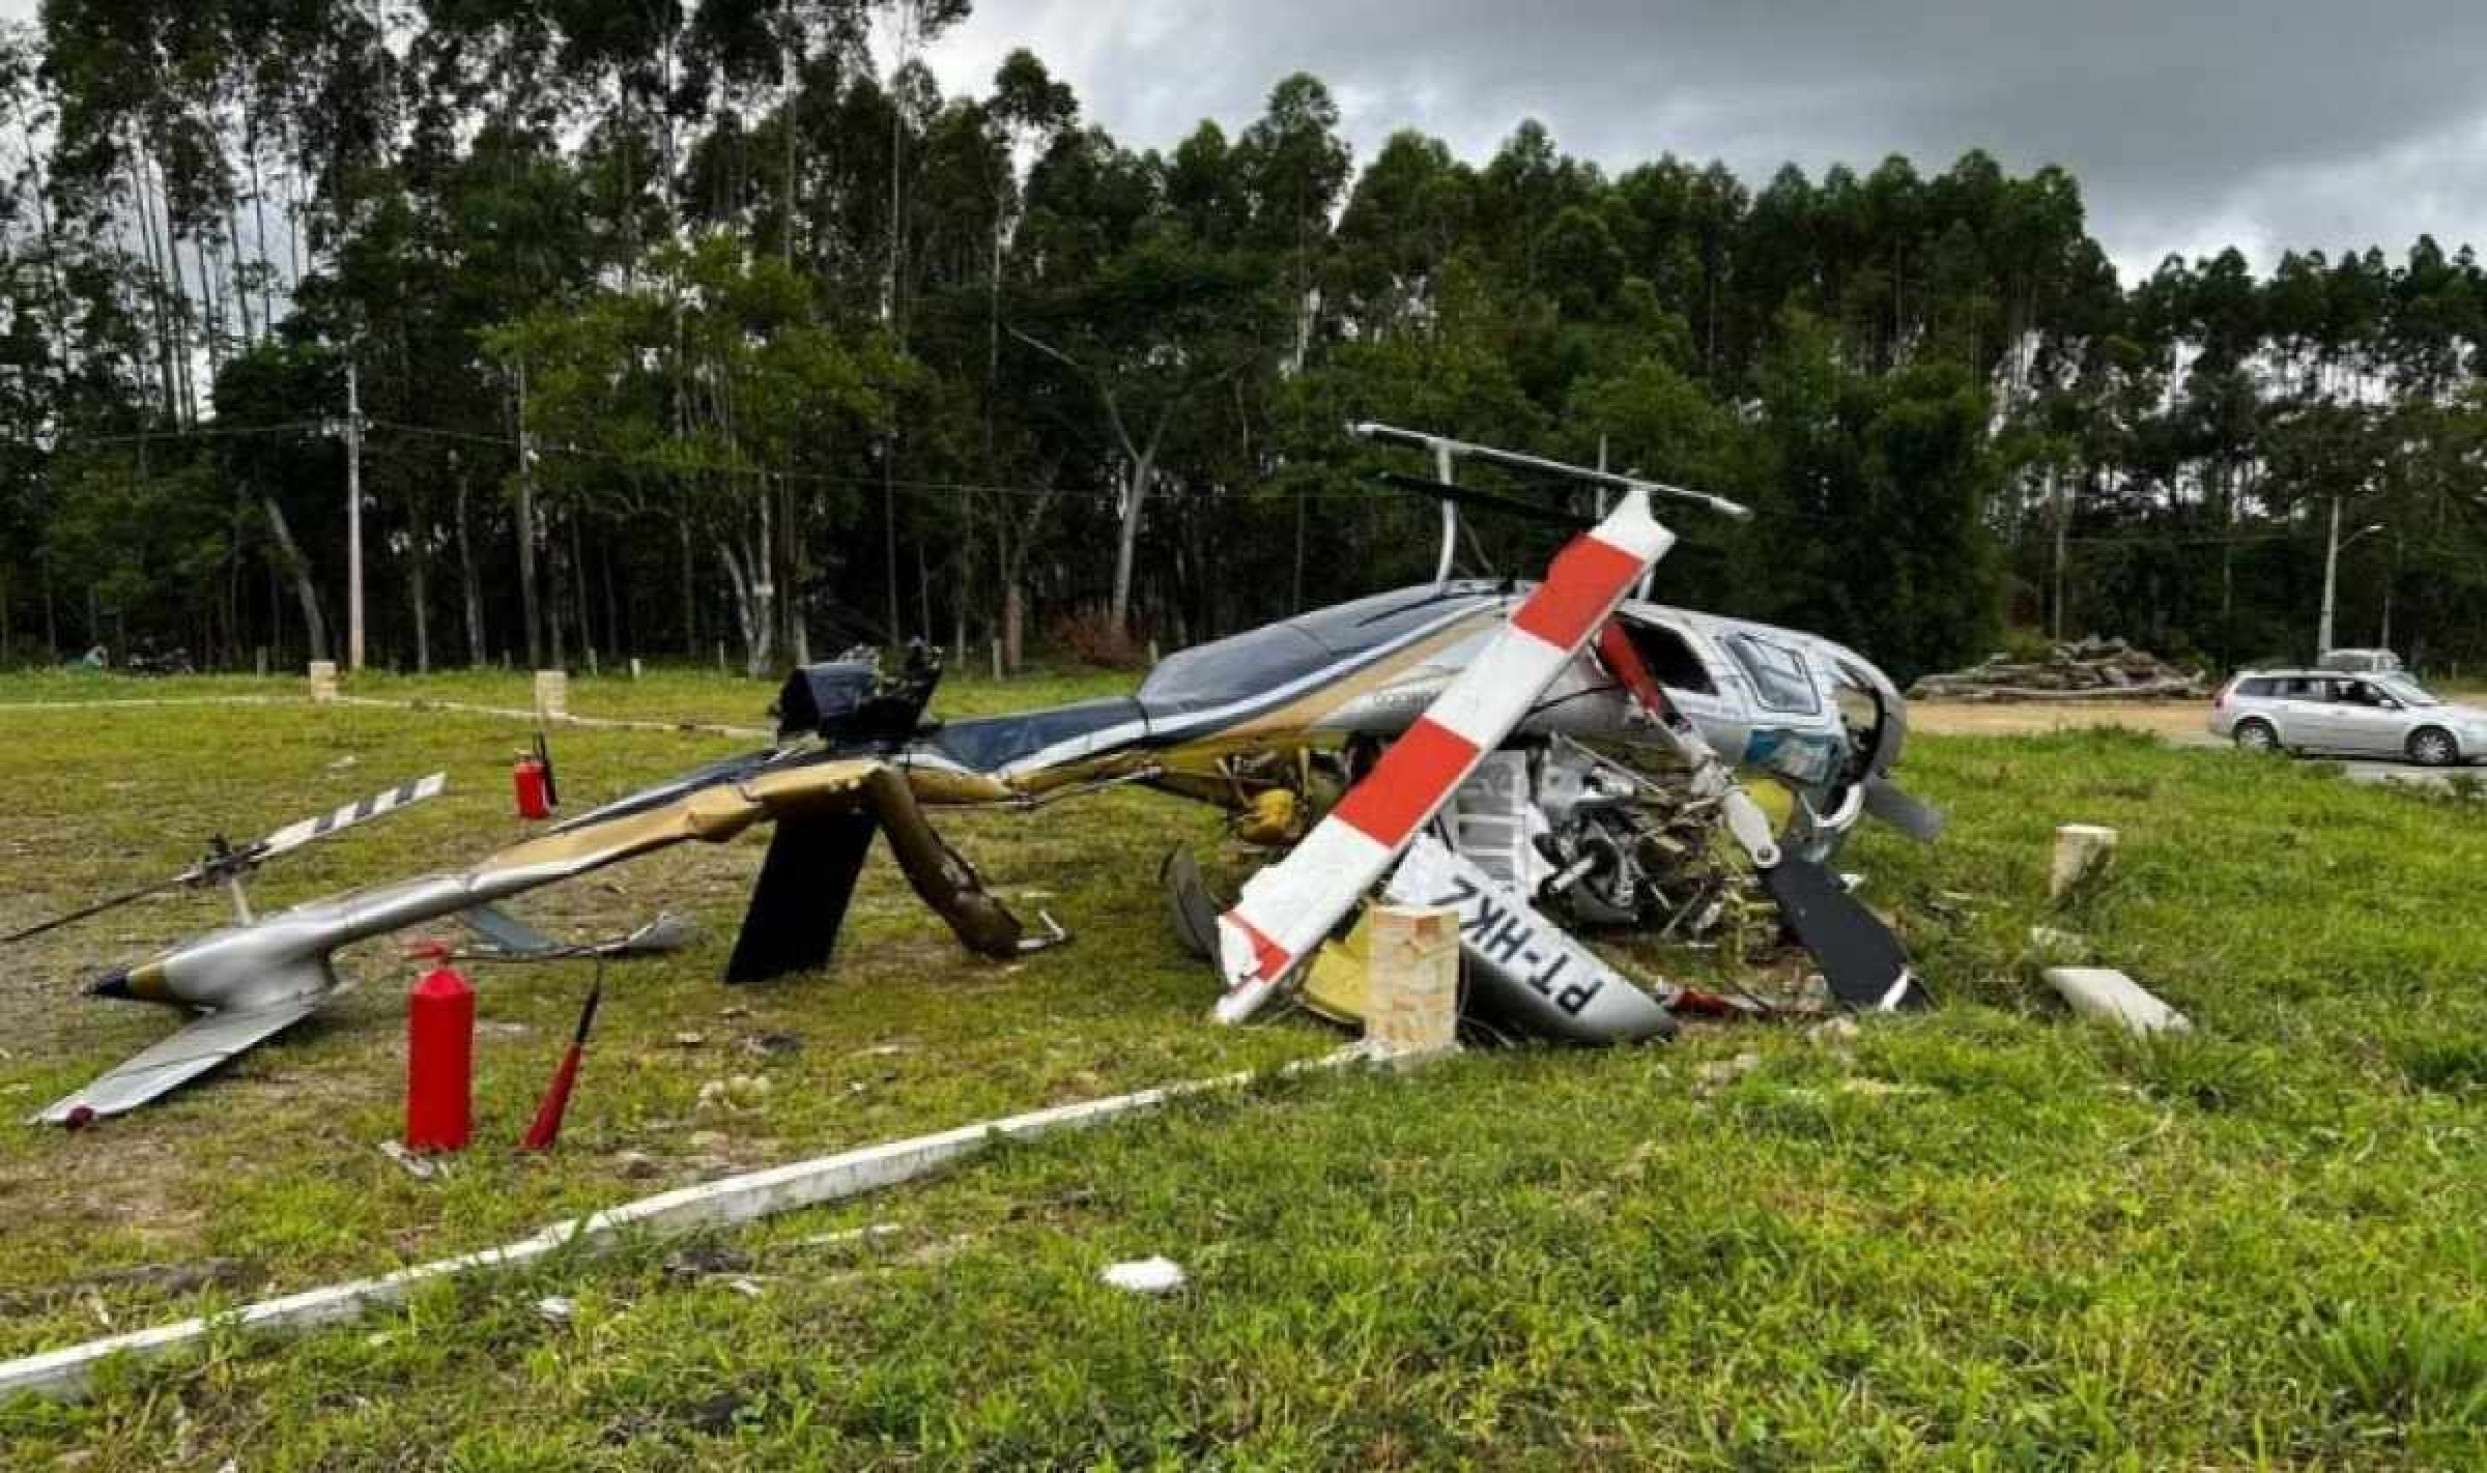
(2382, 715)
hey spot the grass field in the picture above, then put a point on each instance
(1987, 1237)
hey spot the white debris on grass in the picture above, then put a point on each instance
(1153, 1275)
(2105, 993)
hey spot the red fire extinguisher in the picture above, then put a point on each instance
(532, 782)
(440, 1056)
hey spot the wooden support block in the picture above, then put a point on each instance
(552, 695)
(1412, 986)
(323, 680)
(2080, 850)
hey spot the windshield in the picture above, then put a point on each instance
(1780, 676)
(2407, 691)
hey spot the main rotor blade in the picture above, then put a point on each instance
(295, 835)
(1492, 500)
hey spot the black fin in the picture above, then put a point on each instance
(1189, 904)
(1909, 814)
(1860, 958)
(800, 902)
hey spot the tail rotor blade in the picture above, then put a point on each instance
(98, 908)
(346, 816)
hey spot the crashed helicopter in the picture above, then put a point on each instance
(1495, 746)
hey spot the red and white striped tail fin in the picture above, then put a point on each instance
(1289, 907)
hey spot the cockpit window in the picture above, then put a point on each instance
(1781, 678)
(1670, 659)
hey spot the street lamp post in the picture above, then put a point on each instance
(2331, 577)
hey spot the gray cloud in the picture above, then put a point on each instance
(2190, 127)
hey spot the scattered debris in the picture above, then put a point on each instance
(738, 1092)
(1154, 1275)
(170, 1279)
(707, 1259)
(636, 1165)
(2105, 993)
(851, 1237)
(2063, 948)
(417, 1165)
(1717, 1074)
(690, 1040)
(2089, 669)
(746, 1286)
(773, 1045)
(556, 1309)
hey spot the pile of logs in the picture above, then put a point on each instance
(2091, 669)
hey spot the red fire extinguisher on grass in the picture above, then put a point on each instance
(440, 1056)
(531, 781)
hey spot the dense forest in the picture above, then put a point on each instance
(715, 332)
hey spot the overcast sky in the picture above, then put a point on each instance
(2260, 123)
(2307, 123)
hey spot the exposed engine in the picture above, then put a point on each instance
(1599, 844)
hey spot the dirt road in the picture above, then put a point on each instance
(2173, 720)
(2178, 723)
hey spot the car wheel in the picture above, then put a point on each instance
(2432, 746)
(2257, 736)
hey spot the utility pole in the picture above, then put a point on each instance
(354, 518)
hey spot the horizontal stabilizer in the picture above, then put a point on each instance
(507, 933)
(206, 1043)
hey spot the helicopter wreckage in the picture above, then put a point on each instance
(1551, 760)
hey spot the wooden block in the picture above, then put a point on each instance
(323, 680)
(1412, 986)
(2080, 850)
(552, 695)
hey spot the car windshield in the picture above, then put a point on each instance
(2407, 691)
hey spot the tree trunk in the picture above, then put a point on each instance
(470, 587)
(690, 588)
(555, 637)
(314, 624)
(751, 606)
(578, 592)
(528, 613)
(1014, 623)
(1127, 544)
(419, 596)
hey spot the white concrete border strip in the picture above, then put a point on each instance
(514, 713)
(64, 1373)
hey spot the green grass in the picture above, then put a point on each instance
(1988, 1237)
